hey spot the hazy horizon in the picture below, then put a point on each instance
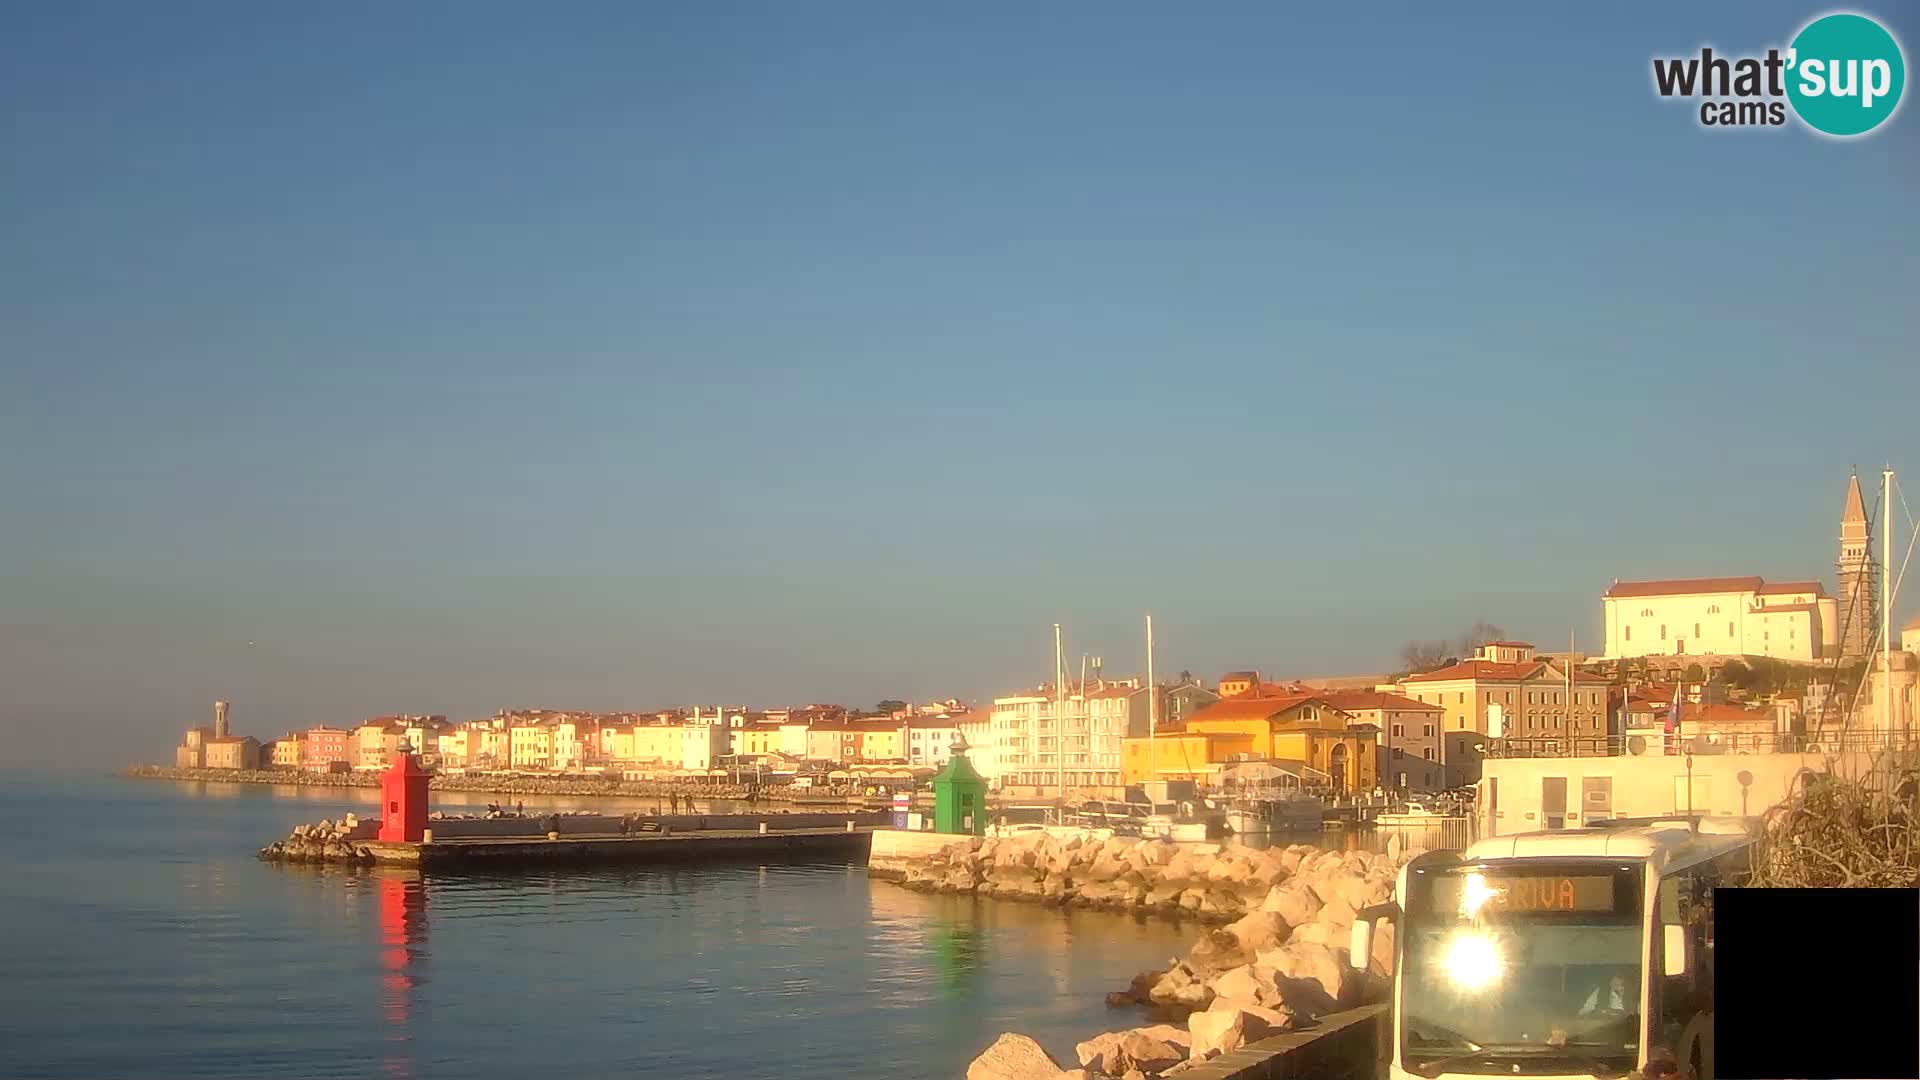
(450, 357)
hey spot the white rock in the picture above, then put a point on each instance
(1014, 1057)
(1217, 1032)
(1294, 901)
(1258, 930)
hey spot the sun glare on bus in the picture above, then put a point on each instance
(1472, 961)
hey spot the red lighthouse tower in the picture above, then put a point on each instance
(403, 798)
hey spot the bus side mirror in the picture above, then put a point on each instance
(1360, 949)
(1673, 950)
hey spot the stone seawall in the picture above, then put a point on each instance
(484, 785)
(1275, 968)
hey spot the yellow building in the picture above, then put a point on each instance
(530, 746)
(1302, 730)
(756, 739)
(1505, 692)
(1180, 755)
(880, 740)
(286, 752)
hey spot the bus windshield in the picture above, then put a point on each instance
(1505, 964)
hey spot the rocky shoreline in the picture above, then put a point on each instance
(520, 785)
(1275, 961)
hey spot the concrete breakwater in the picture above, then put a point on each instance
(491, 785)
(582, 836)
(1273, 971)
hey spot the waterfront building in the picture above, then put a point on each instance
(530, 746)
(192, 751)
(760, 738)
(1409, 733)
(930, 738)
(287, 751)
(880, 740)
(232, 752)
(326, 747)
(375, 741)
(220, 729)
(1507, 692)
(831, 741)
(1301, 733)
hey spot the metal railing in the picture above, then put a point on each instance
(1835, 742)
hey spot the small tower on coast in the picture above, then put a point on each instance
(959, 795)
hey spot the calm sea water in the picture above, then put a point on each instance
(140, 938)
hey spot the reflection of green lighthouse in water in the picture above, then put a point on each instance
(957, 952)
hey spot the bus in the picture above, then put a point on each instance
(1568, 953)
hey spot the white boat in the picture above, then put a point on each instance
(1417, 816)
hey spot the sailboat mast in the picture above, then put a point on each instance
(1886, 601)
(1059, 713)
(1153, 703)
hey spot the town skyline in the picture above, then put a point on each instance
(836, 358)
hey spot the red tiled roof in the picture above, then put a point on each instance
(1246, 707)
(1352, 700)
(1241, 676)
(934, 722)
(1511, 644)
(1685, 586)
(1793, 587)
(1494, 671)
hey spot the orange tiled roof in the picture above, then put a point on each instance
(1351, 700)
(1243, 707)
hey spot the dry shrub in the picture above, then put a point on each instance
(1841, 831)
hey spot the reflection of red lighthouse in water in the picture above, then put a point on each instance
(403, 935)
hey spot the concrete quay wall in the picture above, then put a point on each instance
(607, 824)
(710, 846)
(893, 849)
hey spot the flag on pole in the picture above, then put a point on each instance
(1673, 714)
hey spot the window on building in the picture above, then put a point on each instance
(1646, 613)
(1663, 631)
(1729, 629)
(1629, 633)
(1696, 629)
(1429, 731)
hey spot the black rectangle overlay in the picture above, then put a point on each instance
(1816, 984)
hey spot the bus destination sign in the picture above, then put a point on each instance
(1526, 893)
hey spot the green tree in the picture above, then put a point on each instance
(1694, 673)
(1737, 675)
(889, 707)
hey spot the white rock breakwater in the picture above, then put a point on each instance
(322, 842)
(1277, 959)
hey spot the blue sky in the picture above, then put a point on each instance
(465, 355)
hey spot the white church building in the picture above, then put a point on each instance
(1733, 616)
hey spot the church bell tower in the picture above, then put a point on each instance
(1859, 577)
